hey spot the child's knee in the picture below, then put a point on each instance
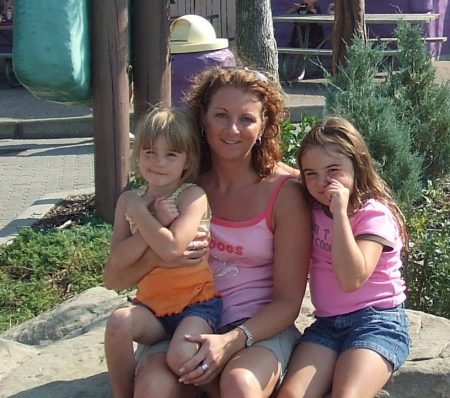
(179, 354)
(118, 323)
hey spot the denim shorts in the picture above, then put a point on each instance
(384, 331)
(210, 311)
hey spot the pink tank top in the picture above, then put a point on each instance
(241, 256)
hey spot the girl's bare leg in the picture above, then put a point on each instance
(310, 372)
(181, 350)
(124, 326)
(360, 373)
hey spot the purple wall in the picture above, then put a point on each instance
(441, 27)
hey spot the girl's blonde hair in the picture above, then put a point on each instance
(340, 133)
(268, 153)
(177, 128)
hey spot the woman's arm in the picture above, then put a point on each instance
(292, 250)
(171, 241)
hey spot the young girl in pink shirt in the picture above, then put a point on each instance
(360, 335)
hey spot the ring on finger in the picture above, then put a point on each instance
(204, 367)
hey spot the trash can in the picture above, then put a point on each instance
(194, 47)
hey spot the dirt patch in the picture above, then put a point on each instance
(71, 211)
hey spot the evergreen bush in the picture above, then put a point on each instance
(420, 103)
(355, 94)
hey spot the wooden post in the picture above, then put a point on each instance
(151, 54)
(111, 102)
(348, 21)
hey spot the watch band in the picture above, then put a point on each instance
(248, 333)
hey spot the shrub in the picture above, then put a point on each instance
(427, 269)
(292, 135)
(43, 268)
(356, 95)
(420, 103)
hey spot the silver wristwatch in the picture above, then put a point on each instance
(250, 340)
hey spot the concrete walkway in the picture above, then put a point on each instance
(36, 174)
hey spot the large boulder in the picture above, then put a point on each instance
(59, 354)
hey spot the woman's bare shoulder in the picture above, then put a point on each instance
(285, 169)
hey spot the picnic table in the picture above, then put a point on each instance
(296, 57)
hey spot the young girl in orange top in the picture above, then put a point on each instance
(171, 301)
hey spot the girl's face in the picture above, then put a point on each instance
(161, 166)
(232, 123)
(323, 165)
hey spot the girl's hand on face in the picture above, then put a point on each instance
(165, 210)
(339, 196)
(211, 352)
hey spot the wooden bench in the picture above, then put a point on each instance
(441, 39)
(388, 52)
(322, 51)
(294, 59)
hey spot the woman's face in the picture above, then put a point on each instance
(232, 123)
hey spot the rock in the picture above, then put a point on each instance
(59, 354)
(74, 316)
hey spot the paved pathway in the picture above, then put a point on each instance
(35, 174)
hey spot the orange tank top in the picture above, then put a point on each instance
(168, 291)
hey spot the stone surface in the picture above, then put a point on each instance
(59, 354)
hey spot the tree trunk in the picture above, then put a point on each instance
(151, 54)
(111, 102)
(255, 41)
(348, 22)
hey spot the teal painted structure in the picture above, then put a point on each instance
(51, 50)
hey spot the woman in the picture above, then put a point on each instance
(259, 247)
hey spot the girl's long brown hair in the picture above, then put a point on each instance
(367, 184)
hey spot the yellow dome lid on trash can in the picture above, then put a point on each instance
(193, 33)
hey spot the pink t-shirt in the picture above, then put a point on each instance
(241, 256)
(385, 287)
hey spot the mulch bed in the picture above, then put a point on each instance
(71, 211)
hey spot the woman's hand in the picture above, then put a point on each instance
(196, 252)
(215, 351)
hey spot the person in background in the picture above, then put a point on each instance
(360, 335)
(315, 31)
(165, 215)
(259, 248)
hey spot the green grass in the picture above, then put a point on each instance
(43, 268)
